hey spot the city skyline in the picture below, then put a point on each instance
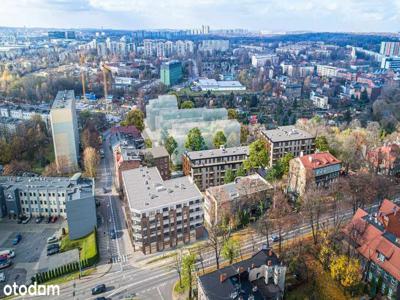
(254, 15)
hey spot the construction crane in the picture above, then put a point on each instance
(82, 65)
(106, 70)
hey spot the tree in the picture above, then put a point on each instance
(258, 155)
(219, 139)
(321, 143)
(346, 270)
(188, 268)
(232, 114)
(187, 104)
(177, 266)
(16, 168)
(90, 160)
(194, 140)
(240, 172)
(134, 117)
(244, 133)
(170, 145)
(284, 162)
(229, 176)
(217, 236)
(230, 250)
(148, 143)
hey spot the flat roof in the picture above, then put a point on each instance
(63, 99)
(146, 190)
(287, 133)
(221, 152)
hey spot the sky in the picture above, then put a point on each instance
(267, 15)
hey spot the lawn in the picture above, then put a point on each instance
(69, 277)
(326, 287)
(87, 246)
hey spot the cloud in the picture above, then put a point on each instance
(331, 15)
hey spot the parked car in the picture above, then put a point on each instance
(274, 238)
(8, 252)
(113, 234)
(26, 221)
(39, 220)
(48, 220)
(52, 239)
(53, 251)
(98, 289)
(17, 239)
(5, 263)
(52, 246)
(2, 277)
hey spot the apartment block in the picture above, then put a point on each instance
(64, 128)
(69, 198)
(161, 213)
(288, 139)
(207, 168)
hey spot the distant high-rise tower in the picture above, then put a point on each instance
(171, 72)
(390, 48)
(64, 128)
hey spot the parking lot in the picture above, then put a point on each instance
(31, 252)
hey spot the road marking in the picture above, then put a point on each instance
(159, 292)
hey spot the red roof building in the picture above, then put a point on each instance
(376, 237)
(385, 160)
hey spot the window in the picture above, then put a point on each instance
(381, 257)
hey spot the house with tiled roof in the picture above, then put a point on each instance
(320, 168)
(261, 277)
(376, 238)
(385, 160)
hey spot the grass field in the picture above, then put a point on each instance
(87, 245)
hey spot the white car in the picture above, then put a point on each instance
(2, 277)
(52, 239)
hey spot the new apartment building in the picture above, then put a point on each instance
(70, 198)
(288, 139)
(161, 213)
(64, 128)
(207, 168)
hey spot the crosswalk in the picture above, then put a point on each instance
(120, 258)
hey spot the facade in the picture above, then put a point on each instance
(71, 198)
(64, 128)
(375, 237)
(390, 48)
(261, 276)
(385, 160)
(319, 168)
(161, 213)
(171, 72)
(244, 194)
(390, 63)
(25, 112)
(288, 139)
(261, 60)
(327, 71)
(207, 168)
(319, 100)
(214, 45)
(164, 118)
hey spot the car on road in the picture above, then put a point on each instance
(5, 263)
(39, 220)
(274, 238)
(113, 234)
(101, 298)
(52, 239)
(8, 252)
(2, 277)
(17, 239)
(98, 289)
(21, 219)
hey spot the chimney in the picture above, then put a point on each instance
(223, 277)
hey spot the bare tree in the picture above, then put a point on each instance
(217, 236)
(91, 160)
(177, 266)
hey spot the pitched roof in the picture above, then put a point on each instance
(318, 160)
(386, 155)
(375, 238)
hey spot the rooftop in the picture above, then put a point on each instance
(318, 160)
(221, 152)
(63, 99)
(157, 152)
(287, 133)
(146, 190)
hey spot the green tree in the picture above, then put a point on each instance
(244, 133)
(148, 143)
(258, 155)
(187, 104)
(240, 171)
(219, 139)
(134, 117)
(188, 269)
(194, 140)
(284, 162)
(321, 143)
(232, 114)
(229, 176)
(170, 145)
(230, 250)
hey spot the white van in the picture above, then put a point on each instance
(8, 252)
